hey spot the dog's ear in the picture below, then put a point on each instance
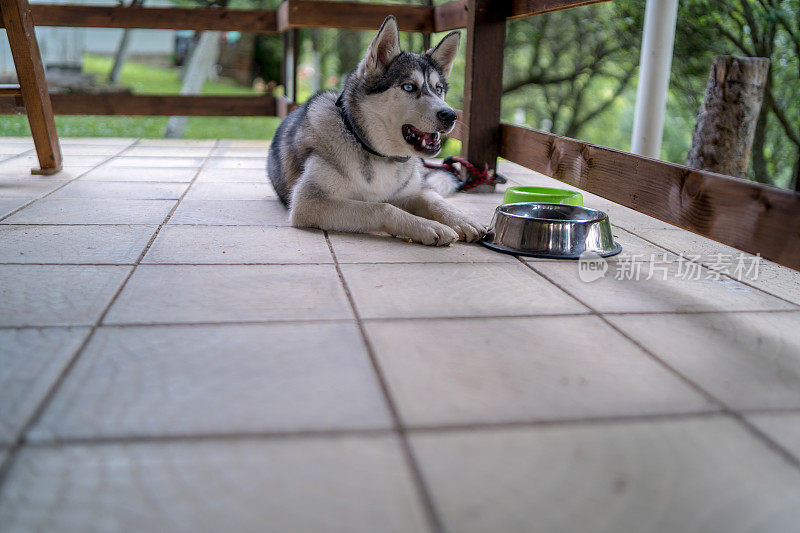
(445, 52)
(384, 47)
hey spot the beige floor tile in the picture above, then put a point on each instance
(243, 175)
(453, 289)
(214, 380)
(231, 213)
(180, 294)
(7, 205)
(748, 360)
(34, 295)
(23, 174)
(771, 277)
(340, 485)
(105, 173)
(14, 148)
(688, 243)
(231, 191)
(93, 211)
(778, 280)
(27, 162)
(144, 162)
(73, 244)
(168, 151)
(522, 369)
(628, 218)
(240, 151)
(783, 428)
(243, 143)
(238, 162)
(30, 362)
(179, 143)
(671, 289)
(238, 244)
(692, 476)
(361, 248)
(120, 141)
(122, 190)
(27, 188)
(107, 150)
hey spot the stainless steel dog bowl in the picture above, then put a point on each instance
(555, 231)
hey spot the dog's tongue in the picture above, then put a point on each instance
(427, 138)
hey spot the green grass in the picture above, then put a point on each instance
(147, 79)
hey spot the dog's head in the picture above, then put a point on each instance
(397, 97)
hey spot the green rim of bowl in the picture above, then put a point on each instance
(549, 195)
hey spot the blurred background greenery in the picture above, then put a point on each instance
(571, 72)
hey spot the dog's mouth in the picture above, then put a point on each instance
(422, 141)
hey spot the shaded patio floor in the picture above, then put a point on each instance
(175, 357)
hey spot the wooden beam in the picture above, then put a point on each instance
(450, 16)
(527, 8)
(749, 216)
(453, 15)
(247, 21)
(352, 15)
(155, 105)
(16, 17)
(483, 82)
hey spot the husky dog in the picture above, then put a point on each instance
(351, 161)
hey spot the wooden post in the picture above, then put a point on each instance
(483, 84)
(726, 123)
(16, 15)
(426, 37)
(289, 58)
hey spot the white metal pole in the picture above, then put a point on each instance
(654, 66)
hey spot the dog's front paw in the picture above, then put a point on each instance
(434, 234)
(468, 229)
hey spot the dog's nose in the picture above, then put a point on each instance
(446, 116)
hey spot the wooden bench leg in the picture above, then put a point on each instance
(33, 86)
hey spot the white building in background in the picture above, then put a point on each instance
(64, 47)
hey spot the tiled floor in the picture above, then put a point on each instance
(175, 357)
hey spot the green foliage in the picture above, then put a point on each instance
(148, 79)
(750, 28)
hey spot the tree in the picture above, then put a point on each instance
(567, 68)
(751, 28)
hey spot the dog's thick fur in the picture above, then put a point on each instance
(327, 171)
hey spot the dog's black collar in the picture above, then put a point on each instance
(360, 137)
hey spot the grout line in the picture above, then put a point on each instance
(726, 409)
(579, 421)
(384, 319)
(51, 392)
(771, 411)
(415, 470)
(102, 162)
(370, 432)
(377, 431)
(204, 437)
(311, 263)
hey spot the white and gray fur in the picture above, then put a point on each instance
(330, 180)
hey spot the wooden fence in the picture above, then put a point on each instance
(749, 216)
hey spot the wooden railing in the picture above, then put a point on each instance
(749, 216)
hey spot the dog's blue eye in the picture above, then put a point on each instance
(439, 90)
(409, 87)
